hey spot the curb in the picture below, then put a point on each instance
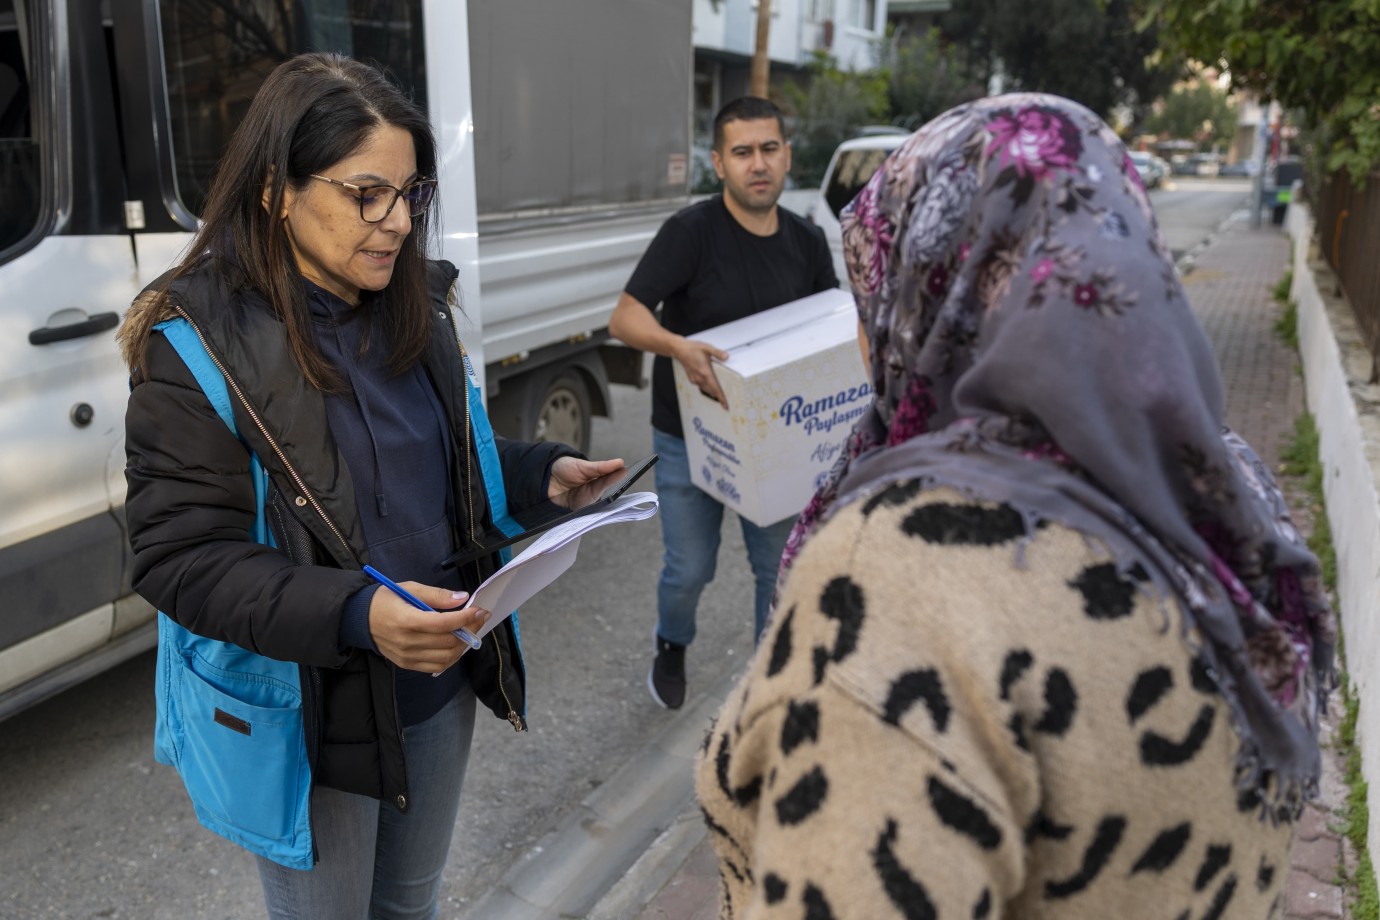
(653, 869)
(615, 850)
(1189, 260)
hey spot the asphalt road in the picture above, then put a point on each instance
(1190, 209)
(91, 827)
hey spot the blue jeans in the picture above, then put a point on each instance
(375, 862)
(690, 525)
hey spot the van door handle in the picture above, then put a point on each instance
(100, 322)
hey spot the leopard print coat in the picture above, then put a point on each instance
(930, 730)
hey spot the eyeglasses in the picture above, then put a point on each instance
(376, 201)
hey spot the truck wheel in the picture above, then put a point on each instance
(561, 410)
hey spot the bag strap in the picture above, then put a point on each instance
(190, 348)
(490, 469)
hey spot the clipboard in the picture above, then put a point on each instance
(605, 491)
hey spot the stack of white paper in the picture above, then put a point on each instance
(549, 555)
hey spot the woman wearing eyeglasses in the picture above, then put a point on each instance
(319, 720)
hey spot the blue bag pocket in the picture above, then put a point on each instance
(242, 756)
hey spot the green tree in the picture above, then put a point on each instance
(827, 109)
(925, 77)
(1197, 111)
(1321, 57)
(1091, 51)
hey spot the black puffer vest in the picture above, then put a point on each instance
(250, 595)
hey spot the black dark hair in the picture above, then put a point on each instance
(746, 108)
(313, 111)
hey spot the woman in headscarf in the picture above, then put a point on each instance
(1047, 644)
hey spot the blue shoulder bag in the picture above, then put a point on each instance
(230, 721)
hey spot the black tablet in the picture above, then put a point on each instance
(592, 496)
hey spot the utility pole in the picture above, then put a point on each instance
(761, 63)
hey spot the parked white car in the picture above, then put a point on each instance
(851, 166)
(1150, 173)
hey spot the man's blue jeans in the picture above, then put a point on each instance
(376, 862)
(690, 523)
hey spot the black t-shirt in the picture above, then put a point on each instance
(705, 270)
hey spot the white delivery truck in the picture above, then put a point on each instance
(563, 130)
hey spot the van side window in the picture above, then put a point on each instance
(217, 54)
(21, 165)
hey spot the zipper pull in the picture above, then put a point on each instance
(516, 720)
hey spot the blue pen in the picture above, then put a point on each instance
(465, 635)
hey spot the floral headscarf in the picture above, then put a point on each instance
(1030, 343)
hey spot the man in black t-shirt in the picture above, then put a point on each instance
(719, 260)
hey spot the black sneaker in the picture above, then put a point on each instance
(666, 679)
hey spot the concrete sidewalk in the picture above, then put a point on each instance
(1229, 282)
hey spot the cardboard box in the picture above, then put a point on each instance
(795, 384)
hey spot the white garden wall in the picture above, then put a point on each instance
(1346, 407)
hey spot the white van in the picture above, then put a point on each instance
(112, 115)
(850, 168)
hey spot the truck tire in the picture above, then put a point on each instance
(561, 410)
(541, 405)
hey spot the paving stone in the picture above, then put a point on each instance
(1316, 822)
(1332, 786)
(1305, 898)
(1320, 857)
(693, 893)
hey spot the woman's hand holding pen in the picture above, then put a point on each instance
(422, 640)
